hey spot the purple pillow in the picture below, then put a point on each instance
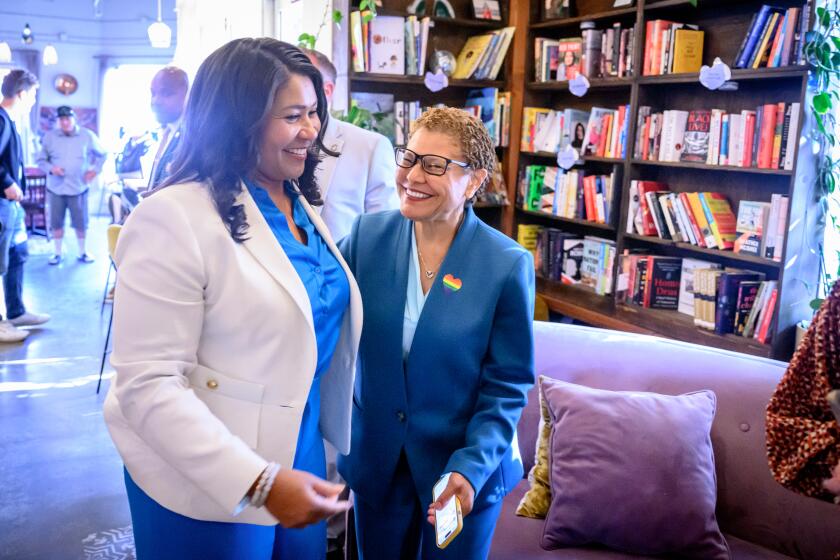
(632, 471)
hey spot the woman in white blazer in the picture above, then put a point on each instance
(236, 324)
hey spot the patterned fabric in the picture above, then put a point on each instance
(537, 499)
(803, 437)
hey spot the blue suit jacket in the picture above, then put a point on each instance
(453, 405)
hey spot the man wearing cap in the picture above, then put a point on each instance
(72, 157)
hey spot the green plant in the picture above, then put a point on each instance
(822, 51)
(308, 40)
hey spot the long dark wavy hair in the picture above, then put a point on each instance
(228, 108)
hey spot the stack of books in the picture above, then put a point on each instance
(775, 38)
(572, 194)
(704, 219)
(764, 138)
(599, 132)
(672, 48)
(482, 56)
(493, 108)
(389, 44)
(730, 301)
(584, 261)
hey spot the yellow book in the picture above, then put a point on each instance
(767, 38)
(471, 55)
(688, 50)
(526, 235)
(700, 217)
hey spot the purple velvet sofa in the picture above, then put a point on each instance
(760, 519)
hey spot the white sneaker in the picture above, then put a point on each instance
(10, 333)
(30, 319)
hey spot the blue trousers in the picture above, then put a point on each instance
(13, 254)
(161, 534)
(399, 529)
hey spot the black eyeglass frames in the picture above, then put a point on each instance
(431, 164)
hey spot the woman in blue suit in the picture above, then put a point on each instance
(446, 354)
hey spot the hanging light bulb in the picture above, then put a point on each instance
(26, 35)
(50, 56)
(5, 53)
(160, 35)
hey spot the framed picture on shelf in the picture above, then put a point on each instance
(554, 9)
(487, 9)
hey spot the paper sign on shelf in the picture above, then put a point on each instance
(579, 85)
(567, 158)
(436, 82)
(715, 76)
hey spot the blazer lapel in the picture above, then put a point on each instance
(334, 141)
(262, 244)
(435, 305)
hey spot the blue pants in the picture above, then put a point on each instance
(399, 529)
(13, 254)
(161, 534)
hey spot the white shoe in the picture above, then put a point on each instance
(10, 333)
(30, 319)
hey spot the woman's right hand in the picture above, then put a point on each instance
(298, 499)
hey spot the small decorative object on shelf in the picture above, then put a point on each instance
(444, 61)
(487, 9)
(555, 9)
(442, 8)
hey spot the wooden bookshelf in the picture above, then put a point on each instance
(725, 22)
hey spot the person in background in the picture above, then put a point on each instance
(803, 436)
(72, 157)
(169, 97)
(360, 180)
(19, 95)
(447, 350)
(236, 324)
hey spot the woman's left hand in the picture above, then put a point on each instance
(457, 486)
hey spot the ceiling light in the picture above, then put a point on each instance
(160, 35)
(5, 53)
(50, 56)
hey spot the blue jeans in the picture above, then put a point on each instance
(13, 254)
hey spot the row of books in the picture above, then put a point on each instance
(600, 132)
(394, 119)
(774, 38)
(672, 48)
(764, 138)
(567, 194)
(482, 56)
(730, 301)
(586, 261)
(389, 44)
(598, 54)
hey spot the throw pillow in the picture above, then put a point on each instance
(632, 471)
(536, 500)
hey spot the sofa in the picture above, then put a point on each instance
(760, 519)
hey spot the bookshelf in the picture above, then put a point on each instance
(444, 34)
(725, 23)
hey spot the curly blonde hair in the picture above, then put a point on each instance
(468, 132)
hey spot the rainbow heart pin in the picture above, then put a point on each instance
(451, 284)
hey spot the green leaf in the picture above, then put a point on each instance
(693, 2)
(824, 17)
(337, 17)
(822, 103)
(816, 303)
(367, 17)
(306, 40)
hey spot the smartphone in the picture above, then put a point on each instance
(448, 519)
(834, 401)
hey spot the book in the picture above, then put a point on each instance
(663, 282)
(720, 217)
(727, 298)
(687, 51)
(696, 139)
(750, 226)
(569, 53)
(763, 333)
(470, 55)
(687, 286)
(387, 45)
(572, 260)
(747, 292)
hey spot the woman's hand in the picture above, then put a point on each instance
(457, 486)
(298, 499)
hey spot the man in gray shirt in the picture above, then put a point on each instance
(72, 157)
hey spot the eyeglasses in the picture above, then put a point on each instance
(431, 164)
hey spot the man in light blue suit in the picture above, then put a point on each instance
(446, 355)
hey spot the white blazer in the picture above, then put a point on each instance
(215, 352)
(360, 181)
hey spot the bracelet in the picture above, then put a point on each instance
(266, 481)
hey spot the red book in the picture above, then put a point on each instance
(648, 225)
(777, 136)
(648, 47)
(606, 120)
(768, 131)
(589, 197)
(767, 318)
(695, 227)
(777, 40)
(749, 133)
(648, 278)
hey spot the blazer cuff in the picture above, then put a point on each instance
(474, 474)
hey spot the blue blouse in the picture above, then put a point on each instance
(415, 299)
(329, 295)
